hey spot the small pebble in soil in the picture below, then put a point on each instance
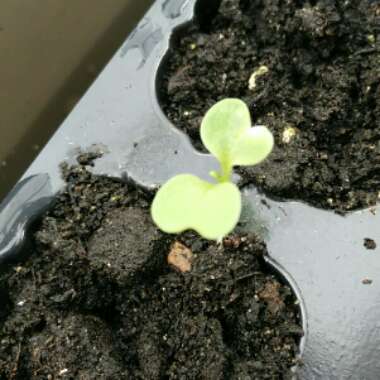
(270, 294)
(232, 242)
(288, 134)
(256, 74)
(371, 38)
(180, 257)
(369, 243)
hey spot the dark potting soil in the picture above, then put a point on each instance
(319, 91)
(369, 243)
(96, 299)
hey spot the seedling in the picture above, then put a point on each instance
(213, 209)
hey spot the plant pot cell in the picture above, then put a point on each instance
(309, 71)
(97, 297)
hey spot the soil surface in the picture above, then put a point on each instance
(369, 243)
(316, 85)
(97, 299)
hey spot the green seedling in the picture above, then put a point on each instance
(213, 209)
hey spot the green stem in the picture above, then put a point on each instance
(226, 172)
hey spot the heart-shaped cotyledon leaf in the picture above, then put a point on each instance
(227, 133)
(187, 202)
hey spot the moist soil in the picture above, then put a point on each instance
(96, 299)
(319, 92)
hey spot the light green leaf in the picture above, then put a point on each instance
(253, 146)
(187, 202)
(227, 133)
(223, 125)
